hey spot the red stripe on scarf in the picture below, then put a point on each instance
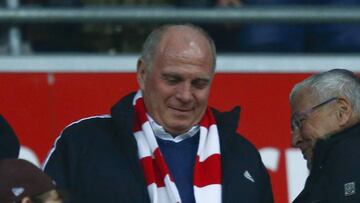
(208, 119)
(151, 172)
(140, 115)
(159, 159)
(155, 169)
(208, 172)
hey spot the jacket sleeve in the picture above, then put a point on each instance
(62, 160)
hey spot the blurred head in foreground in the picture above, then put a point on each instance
(23, 182)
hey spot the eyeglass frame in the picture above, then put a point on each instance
(297, 118)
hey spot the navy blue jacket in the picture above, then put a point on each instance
(335, 174)
(9, 144)
(96, 160)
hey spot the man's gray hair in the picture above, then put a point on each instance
(332, 83)
(153, 40)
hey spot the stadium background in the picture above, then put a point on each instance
(40, 95)
(39, 105)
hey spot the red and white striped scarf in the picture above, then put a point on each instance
(160, 183)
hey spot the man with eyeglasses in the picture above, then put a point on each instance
(326, 127)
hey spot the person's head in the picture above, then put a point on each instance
(23, 182)
(322, 105)
(174, 73)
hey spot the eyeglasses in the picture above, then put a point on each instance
(298, 118)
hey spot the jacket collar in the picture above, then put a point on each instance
(227, 123)
(323, 146)
(123, 117)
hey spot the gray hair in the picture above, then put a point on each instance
(153, 40)
(332, 83)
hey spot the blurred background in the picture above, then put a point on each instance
(63, 60)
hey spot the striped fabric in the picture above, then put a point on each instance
(207, 169)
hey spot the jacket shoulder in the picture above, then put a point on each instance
(86, 129)
(344, 156)
(77, 135)
(88, 123)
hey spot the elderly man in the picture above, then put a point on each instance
(325, 123)
(163, 144)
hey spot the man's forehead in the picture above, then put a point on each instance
(183, 37)
(182, 72)
(192, 52)
(303, 99)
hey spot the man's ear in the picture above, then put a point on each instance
(344, 112)
(141, 73)
(26, 200)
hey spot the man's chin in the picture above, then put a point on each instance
(307, 159)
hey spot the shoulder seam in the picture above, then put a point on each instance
(53, 148)
(87, 118)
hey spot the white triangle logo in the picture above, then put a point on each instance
(248, 176)
(17, 191)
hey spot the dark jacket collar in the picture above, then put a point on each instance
(227, 120)
(123, 117)
(323, 146)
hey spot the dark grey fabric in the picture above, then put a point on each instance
(335, 174)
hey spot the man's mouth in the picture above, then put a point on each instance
(181, 109)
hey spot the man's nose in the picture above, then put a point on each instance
(184, 92)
